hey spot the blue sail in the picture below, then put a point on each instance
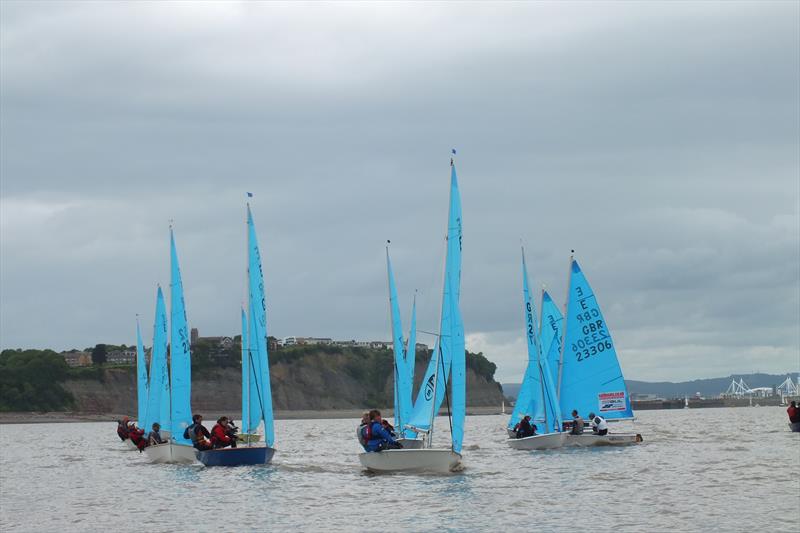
(410, 361)
(402, 384)
(591, 378)
(529, 398)
(551, 332)
(258, 331)
(141, 379)
(158, 399)
(245, 377)
(180, 350)
(450, 345)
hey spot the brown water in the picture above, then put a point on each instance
(697, 470)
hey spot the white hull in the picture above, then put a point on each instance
(611, 439)
(422, 460)
(411, 444)
(171, 453)
(548, 441)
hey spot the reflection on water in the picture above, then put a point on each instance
(698, 470)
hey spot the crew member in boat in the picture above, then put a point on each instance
(389, 428)
(123, 432)
(198, 433)
(577, 423)
(154, 437)
(524, 428)
(379, 438)
(599, 424)
(137, 436)
(363, 432)
(794, 413)
(220, 435)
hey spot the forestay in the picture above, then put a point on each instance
(180, 358)
(591, 378)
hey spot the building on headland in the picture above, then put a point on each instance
(217, 346)
(375, 345)
(120, 357)
(75, 358)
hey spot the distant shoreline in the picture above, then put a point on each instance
(57, 417)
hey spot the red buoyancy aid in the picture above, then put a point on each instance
(122, 430)
(137, 437)
(219, 434)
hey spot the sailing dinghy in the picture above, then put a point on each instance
(177, 449)
(537, 394)
(256, 389)
(404, 361)
(591, 379)
(448, 357)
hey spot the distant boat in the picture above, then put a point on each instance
(591, 379)
(404, 361)
(537, 396)
(178, 449)
(256, 389)
(448, 358)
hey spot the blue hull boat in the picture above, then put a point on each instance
(246, 455)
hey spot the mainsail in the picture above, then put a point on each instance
(257, 336)
(141, 379)
(537, 396)
(551, 331)
(402, 380)
(158, 398)
(449, 350)
(591, 378)
(180, 358)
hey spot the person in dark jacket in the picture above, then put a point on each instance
(198, 433)
(220, 437)
(154, 437)
(524, 428)
(380, 439)
(577, 423)
(794, 413)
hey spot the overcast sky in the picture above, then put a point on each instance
(660, 141)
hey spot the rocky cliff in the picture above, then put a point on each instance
(302, 379)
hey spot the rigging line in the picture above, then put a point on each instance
(258, 392)
(447, 397)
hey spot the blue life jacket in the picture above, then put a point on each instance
(377, 437)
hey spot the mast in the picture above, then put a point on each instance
(564, 332)
(438, 354)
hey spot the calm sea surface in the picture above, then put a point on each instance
(698, 470)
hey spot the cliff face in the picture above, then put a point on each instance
(307, 381)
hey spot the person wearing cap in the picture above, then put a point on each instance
(577, 423)
(154, 437)
(525, 428)
(599, 425)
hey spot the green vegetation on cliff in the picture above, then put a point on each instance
(30, 380)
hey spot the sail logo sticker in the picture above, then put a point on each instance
(429, 388)
(611, 401)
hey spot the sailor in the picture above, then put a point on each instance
(599, 425)
(198, 433)
(154, 437)
(794, 413)
(524, 428)
(137, 436)
(389, 428)
(380, 439)
(577, 423)
(122, 428)
(220, 437)
(363, 432)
